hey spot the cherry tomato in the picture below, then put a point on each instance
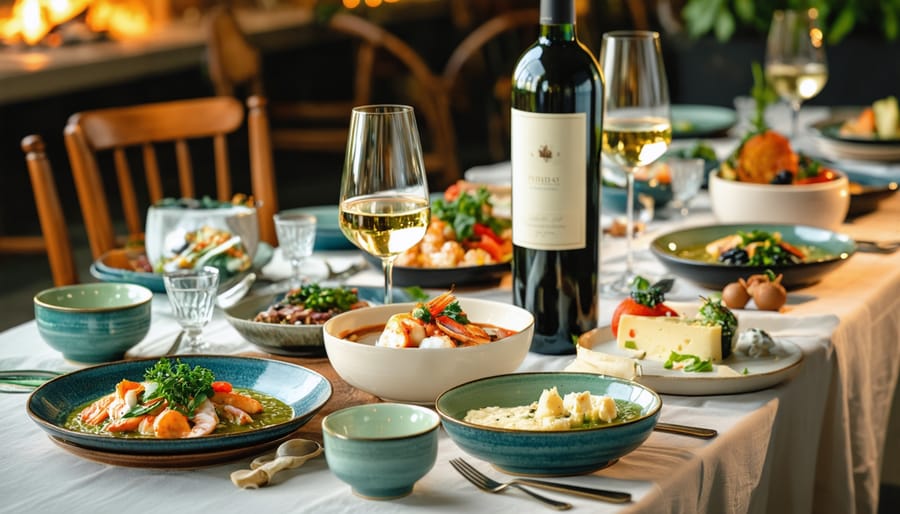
(221, 386)
(452, 192)
(630, 306)
(824, 175)
(483, 231)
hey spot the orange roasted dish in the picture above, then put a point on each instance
(463, 232)
(767, 158)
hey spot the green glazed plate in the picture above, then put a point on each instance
(701, 120)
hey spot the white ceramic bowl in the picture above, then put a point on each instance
(822, 204)
(420, 375)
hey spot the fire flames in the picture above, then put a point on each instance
(31, 21)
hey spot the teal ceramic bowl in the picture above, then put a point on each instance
(92, 323)
(539, 453)
(381, 450)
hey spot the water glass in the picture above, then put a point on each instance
(192, 294)
(687, 177)
(296, 238)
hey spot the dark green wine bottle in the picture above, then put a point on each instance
(557, 126)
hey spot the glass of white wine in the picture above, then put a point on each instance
(795, 59)
(637, 126)
(384, 206)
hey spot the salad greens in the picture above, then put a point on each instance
(183, 387)
(697, 365)
(467, 210)
(323, 299)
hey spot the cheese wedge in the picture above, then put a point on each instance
(659, 336)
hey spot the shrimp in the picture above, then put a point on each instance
(468, 335)
(205, 419)
(234, 414)
(97, 412)
(241, 401)
(171, 424)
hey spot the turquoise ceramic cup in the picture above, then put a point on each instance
(92, 323)
(381, 450)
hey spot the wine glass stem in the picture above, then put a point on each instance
(296, 277)
(387, 264)
(795, 119)
(629, 219)
(192, 341)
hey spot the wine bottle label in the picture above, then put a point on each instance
(549, 159)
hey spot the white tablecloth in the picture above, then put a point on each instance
(811, 444)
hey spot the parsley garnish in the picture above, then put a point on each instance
(182, 387)
(696, 366)
(465, 211)
(323, 299)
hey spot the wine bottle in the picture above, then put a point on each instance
(556, 132)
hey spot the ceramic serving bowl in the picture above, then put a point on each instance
(93, 323)
(526, 452)
(821, 204)
(381, 450)
(166, 227)
(419, 375)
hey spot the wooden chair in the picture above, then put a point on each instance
(234, 64)
(315, 126)
(484, 59)
(152, 130)
(55, 241)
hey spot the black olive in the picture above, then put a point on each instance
(783, 177)
(737, 256)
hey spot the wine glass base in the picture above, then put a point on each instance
(619, 284)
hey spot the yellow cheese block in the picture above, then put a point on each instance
(659, 336)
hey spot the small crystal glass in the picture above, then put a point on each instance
(296, 238)
(687, 177)
(192, 294)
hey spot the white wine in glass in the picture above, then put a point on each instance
(637, 126)
(795, 59)
(384, 205)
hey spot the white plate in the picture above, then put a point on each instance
(762, 372)
(834, 145)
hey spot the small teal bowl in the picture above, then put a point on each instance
(381, 450)
(538, 453)
(93, 323)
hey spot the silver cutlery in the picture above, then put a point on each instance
(877, 246)
(174, 348)
(491, 486)
(672, 428)
(235, 292)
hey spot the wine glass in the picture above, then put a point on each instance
(686, 178)
(795, 59)
(296, 238)
(384, 207)
(637, 127)
(192, 295)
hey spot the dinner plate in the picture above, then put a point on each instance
(701, 120)
(669, 249)
(866, 192)
(837, 146)
(305, 391)
(113, 266)
(290, 340)
(406, 276)
(761, 372)
(328, 231)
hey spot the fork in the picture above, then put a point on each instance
(491, 486)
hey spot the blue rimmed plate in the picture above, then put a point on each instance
(701, 120)
(305, 391)
(677, 250)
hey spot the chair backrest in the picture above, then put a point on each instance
(151, 130)
(431, 100)
(486, 53)
(50, 213)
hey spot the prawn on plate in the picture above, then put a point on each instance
(439, 323)
(135, 408)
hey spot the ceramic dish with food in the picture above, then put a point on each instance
(290, 339)
(684, 253)
(303, 391)
(417, 374)
(867, 192)
(870, 133)
(130, 265)
(559, 450)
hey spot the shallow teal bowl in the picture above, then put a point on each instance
(381, 450)
(93, 323)
(537, 453)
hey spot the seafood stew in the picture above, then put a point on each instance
(439, 323)
(177, 401)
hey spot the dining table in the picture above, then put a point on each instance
(811, 443)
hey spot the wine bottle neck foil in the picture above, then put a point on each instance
(557, 12)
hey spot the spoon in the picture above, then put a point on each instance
(291, 454)
(236, 292)
(672, 428)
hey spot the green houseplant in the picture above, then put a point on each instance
(725, 18)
